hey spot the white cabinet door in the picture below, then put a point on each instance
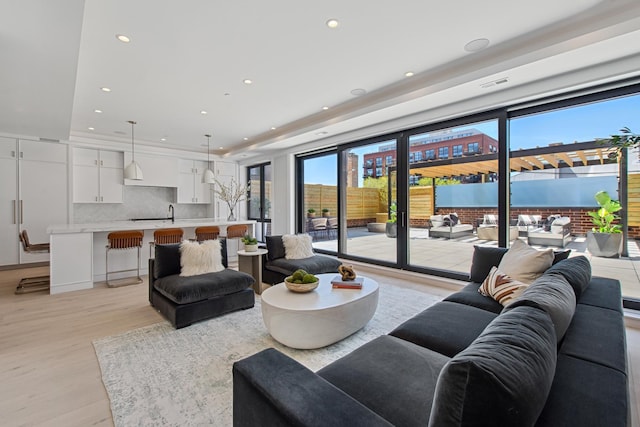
(112, 159)
(226, 168)
(111, 185)
(86, 184)
(8, 148)
(43, 192)
(85, 157)
(9, 209)
(158, 171)
(185, 188)
(202, 191)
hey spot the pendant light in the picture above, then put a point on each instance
(133, 171)
(208, 177)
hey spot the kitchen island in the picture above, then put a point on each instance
(78, 251)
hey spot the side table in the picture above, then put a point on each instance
(251, 263)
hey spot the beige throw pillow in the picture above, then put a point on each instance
(524, 263)
(501, 287)
(200, 258)
(297, 246)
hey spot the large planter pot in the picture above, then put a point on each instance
(391, 230)
(608, 245)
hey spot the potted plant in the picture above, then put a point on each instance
(391, 229)
(326, 212)
(605, 239)
(311, 213)
(250, 243)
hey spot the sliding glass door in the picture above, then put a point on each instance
(259, 202)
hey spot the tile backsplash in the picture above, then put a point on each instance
(139, 202)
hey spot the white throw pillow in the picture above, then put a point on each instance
(501, 287)
(524, 263)
(297, 246)
(200, 258)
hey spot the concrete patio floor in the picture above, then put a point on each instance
(455, 254)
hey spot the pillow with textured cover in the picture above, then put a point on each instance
(501, 287)
(524, 263)
(200, 258)
(297, 246)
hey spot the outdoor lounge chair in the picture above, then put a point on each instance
(558, 233)
(527, 222)
(488, 229)
(447, 226)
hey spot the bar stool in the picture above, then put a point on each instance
(124, 240)
(32, 284)
(207, 233)
(165, 236)
(237, 231)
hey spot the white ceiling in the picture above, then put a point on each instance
(193, 55)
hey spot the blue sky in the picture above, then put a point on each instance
(583, 123)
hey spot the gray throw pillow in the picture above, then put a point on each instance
(503, 378)
(275, 246)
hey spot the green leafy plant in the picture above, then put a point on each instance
(604, 217)
(248, 240)
(625, 139)
(325, 210)
(311, 210)
(393, 213)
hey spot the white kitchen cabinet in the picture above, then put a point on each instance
(157, 171)
(34, 195)
(191, 189)
(97, 176)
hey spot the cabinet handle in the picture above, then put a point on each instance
(96, 198)
(21, 155)
(101, 199)
(21, 212)
(14, 211)
(95, 162)
(13, 153)
(101, 163)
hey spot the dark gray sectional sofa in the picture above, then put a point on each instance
(554, 357)
(186, 300)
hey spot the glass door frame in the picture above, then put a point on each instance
(261, 220)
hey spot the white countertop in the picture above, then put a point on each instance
(140, 225)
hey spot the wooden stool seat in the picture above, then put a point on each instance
(165, 236)
(237, 231)
(128, 239)
(207, 233)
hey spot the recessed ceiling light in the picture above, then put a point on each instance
(92, 128)
(221, 148)
(273, 128)
(105, 89)
(203, 112)
(246, 139)
(97, 111)
(247, 81)
(358, 92)
(332, 23)
(476, 45)
(163, 139)
(408, 74)
(123, 38)
(325, 108)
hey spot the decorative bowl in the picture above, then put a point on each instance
(300, 287)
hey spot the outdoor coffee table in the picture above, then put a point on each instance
(320, 317)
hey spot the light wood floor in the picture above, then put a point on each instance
(49, 374)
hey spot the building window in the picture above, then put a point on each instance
(418, 156)
(457, 151)
(369, 163)
(378, 161)
(411, 157)
(473, 148)
(443, 152)
(430, 154)
(389, 160)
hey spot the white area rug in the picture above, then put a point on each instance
(157, 375)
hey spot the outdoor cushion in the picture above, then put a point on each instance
(315, 265)
(436, 220)
(445, 327)
(403, 370)
(184, 290)
(503, 378)
(557, 226)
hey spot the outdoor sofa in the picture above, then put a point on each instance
(556, 232)
(554, 357)
(448, 226)
(488, 229)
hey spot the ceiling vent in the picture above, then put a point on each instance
(494, 83)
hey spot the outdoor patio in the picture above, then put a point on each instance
(455, 254)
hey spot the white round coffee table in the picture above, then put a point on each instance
(320, 317)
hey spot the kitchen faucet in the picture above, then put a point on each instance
(171, 211)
